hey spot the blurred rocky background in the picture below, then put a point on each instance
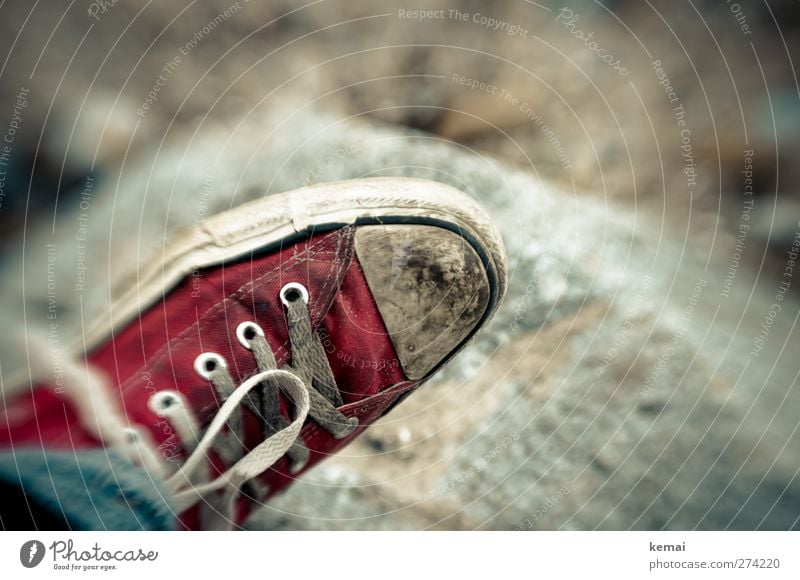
(637, 156)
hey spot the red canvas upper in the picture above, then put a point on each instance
(157, 351)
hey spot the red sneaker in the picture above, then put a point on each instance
(270, 336)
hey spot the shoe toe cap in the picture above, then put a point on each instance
(430, 286)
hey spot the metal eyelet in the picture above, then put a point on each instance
(293, 292)
(163, 401)
(207, 362)
(247, 331)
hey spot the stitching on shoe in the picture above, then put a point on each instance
(342, 264)
(188, 333)
(341, 235)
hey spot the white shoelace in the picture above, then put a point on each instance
(182, 483)
(309, 384)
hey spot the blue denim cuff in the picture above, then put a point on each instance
(90, 490)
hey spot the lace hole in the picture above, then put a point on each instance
(161, 402)
(247, 331)
(293, 292)
(208, 362)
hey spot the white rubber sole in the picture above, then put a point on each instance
(278, 219)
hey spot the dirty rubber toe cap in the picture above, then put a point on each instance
(430, 287)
